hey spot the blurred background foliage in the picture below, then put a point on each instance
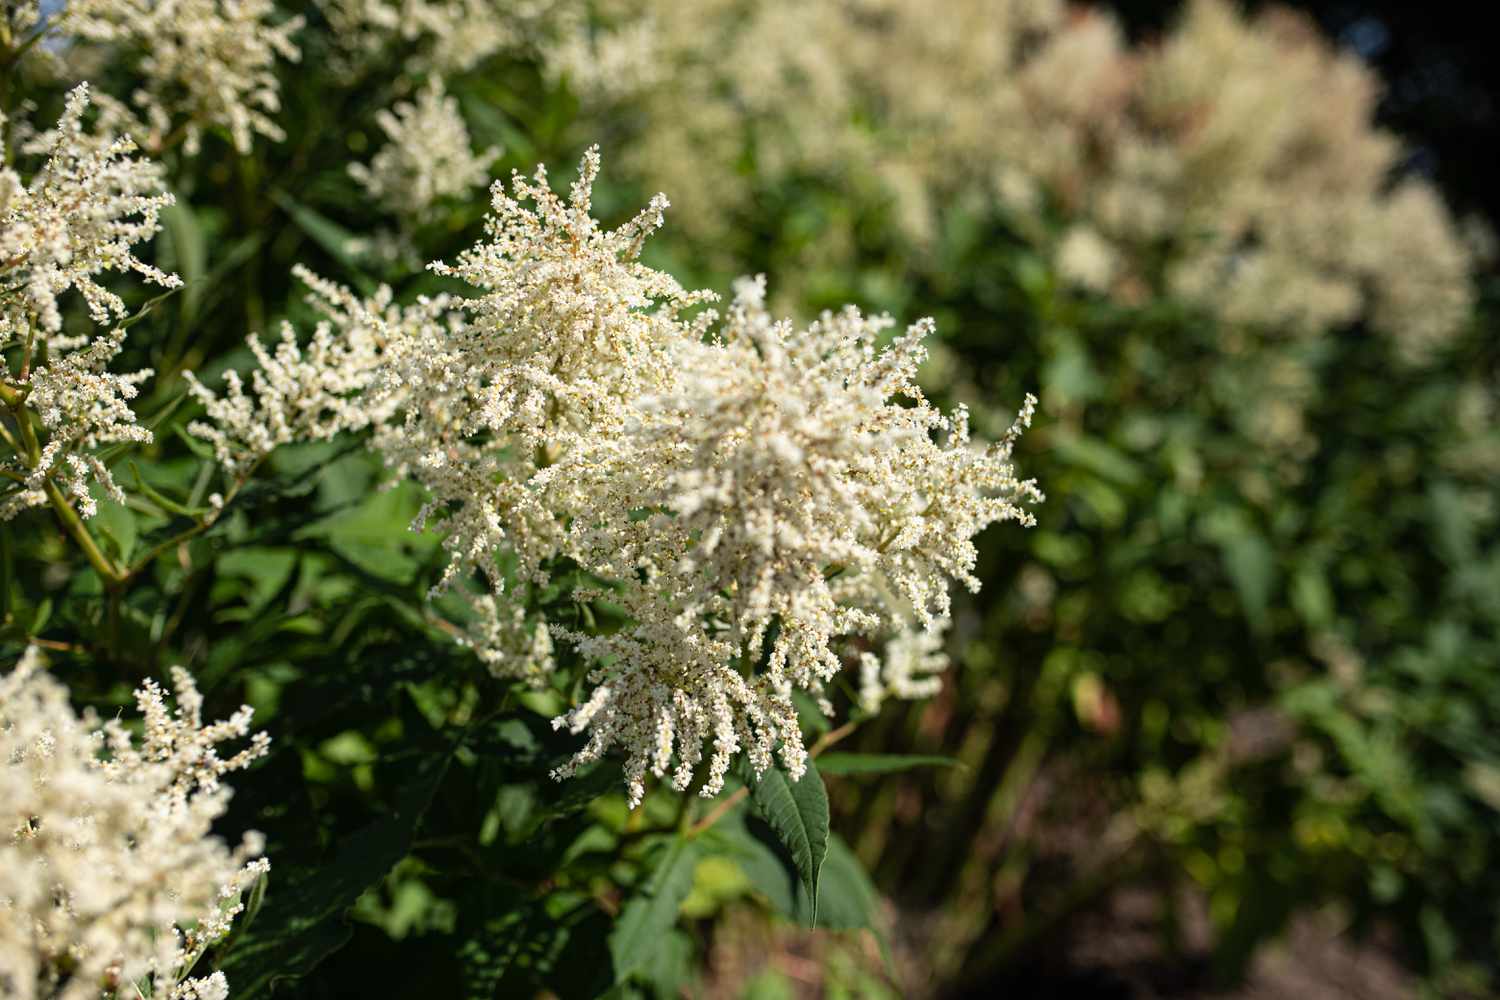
(1245, 668)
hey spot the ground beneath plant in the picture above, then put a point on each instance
(1115, 953)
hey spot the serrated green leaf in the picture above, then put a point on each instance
(798, 812)
(849, 900)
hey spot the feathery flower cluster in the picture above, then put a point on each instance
(804, 492)
(81, 406)
(1235, 163)
(428, 156)
(617, 60)
(21, 17)
(914, 660)
(448, 36)
(207, 63)
(506, 642)
(111, 882)
(568, 331)
(318, 390)
(78, 217)
(758, 497)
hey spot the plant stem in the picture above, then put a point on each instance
(74, 526)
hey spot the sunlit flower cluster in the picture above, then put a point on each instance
(757, 495)
(316, 390)
(206, 63)
(428, 156)
(78, 217)
(568, 331)
(111, 882)
(81, 406)
(1234, 163)
(21, 17)
(802, 492)
(911, 668)
(445, 36)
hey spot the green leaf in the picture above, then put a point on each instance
(798, 812)
(1252, 566)
(189, 251)
(302, 921)
(163, 501)
(646, 921)
(873, 763)
(116, 524)
(342, 245)
(1102, 459)
(1452, 526)
(849, 899)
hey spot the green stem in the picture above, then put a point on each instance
(187, 534)
(74, 526)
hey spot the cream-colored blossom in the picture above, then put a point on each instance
(428, 156)
(911, 668)
(506, 642)
(1416, 296)
(445, 36)
(206, 63)
(804, 492)
(20, 17)
(1234, 162)
(111, 880)
(756, 496)
(81, 407)
(1086, 259)
(77, 217)
(312, 391)
(610, 52)
(568, 331)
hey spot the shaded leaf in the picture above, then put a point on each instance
(302, 920)
(872, 763)
(646, 921)
(798, 812)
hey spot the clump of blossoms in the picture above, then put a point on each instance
(804, 492)
(19, 20)
(568, 331)
(428, 156)
(78, 217)
(1234, 163)
(80, 406)
(206, 63)
(314, 391)
(764, 498)
(446, 36)
(111, 882)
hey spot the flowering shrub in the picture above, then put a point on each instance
(667, 541)
(1232, 165)
(111, 880)
(556, 577)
